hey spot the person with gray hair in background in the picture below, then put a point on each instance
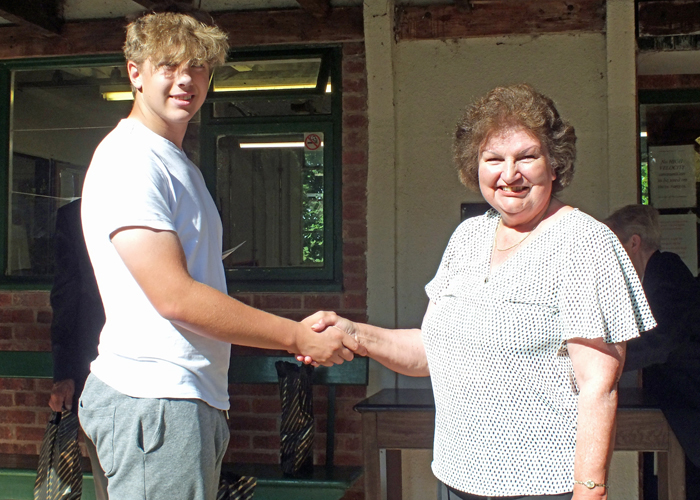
(670, 353)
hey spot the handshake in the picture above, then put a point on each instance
(328, 339)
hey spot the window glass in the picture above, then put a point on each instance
(269, 154)
(313, 104)
(268, 74)
(270, 191)
(58, 117)
(670, 167)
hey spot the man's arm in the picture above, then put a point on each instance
(157, 262)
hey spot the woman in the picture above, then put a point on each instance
(529, 311)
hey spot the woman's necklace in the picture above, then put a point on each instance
(495, 236)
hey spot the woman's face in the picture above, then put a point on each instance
(514, 175)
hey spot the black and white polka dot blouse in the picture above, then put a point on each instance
(504, 386)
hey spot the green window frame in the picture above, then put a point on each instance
(6, 97)
(326, 277)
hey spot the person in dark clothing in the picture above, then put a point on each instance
(670, 353)
(78, 317)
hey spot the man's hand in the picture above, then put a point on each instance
(329, 347)
(329, 323)
(62, 395)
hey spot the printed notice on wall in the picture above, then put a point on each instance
(679, 235)
(672, 176)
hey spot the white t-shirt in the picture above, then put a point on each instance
(505, 391)
(138, 178)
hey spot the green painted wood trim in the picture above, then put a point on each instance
(18, 484)
(670, 96)
(26, 364)
(243, 369)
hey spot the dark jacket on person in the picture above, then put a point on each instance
(670, 353)
(78, 314)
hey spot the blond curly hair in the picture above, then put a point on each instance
(174, 34)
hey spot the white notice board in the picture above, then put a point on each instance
(672, 176)
(679, 235)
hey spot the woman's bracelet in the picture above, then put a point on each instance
(590, 484)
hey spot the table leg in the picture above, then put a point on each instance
(671, 471)
(394, 485)
(370, 449)
(662, 475)
(676, 469)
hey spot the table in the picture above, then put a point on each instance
(396, 419)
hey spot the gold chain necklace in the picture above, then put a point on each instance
(495, 236)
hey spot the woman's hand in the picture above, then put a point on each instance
(322, 320)
(399, 350)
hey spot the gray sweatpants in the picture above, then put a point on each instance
(154, 449)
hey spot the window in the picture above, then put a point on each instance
(53, 120)
(270, 153)
(267, 141)
(670, 166)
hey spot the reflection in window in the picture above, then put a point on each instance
(270, 193)
(58, 117)
(316, 104)
(271, 74)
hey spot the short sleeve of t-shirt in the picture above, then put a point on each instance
(599, 292)
(142, 191)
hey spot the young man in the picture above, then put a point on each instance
(154, 402)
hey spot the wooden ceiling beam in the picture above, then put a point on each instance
(245, 29)
(669, 18)
(666, 82)
(146, 4)
(477, 18)
(44, 16)
(317, 8)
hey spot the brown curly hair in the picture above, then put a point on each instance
(173, 33)
(514, 106)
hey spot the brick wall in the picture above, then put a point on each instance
(25, 319)
(254, 417)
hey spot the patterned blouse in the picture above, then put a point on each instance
(496, 341)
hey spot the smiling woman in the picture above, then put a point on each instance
(515, 178)
(529, 297)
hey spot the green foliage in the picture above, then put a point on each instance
(645, 182)
(312, 215)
